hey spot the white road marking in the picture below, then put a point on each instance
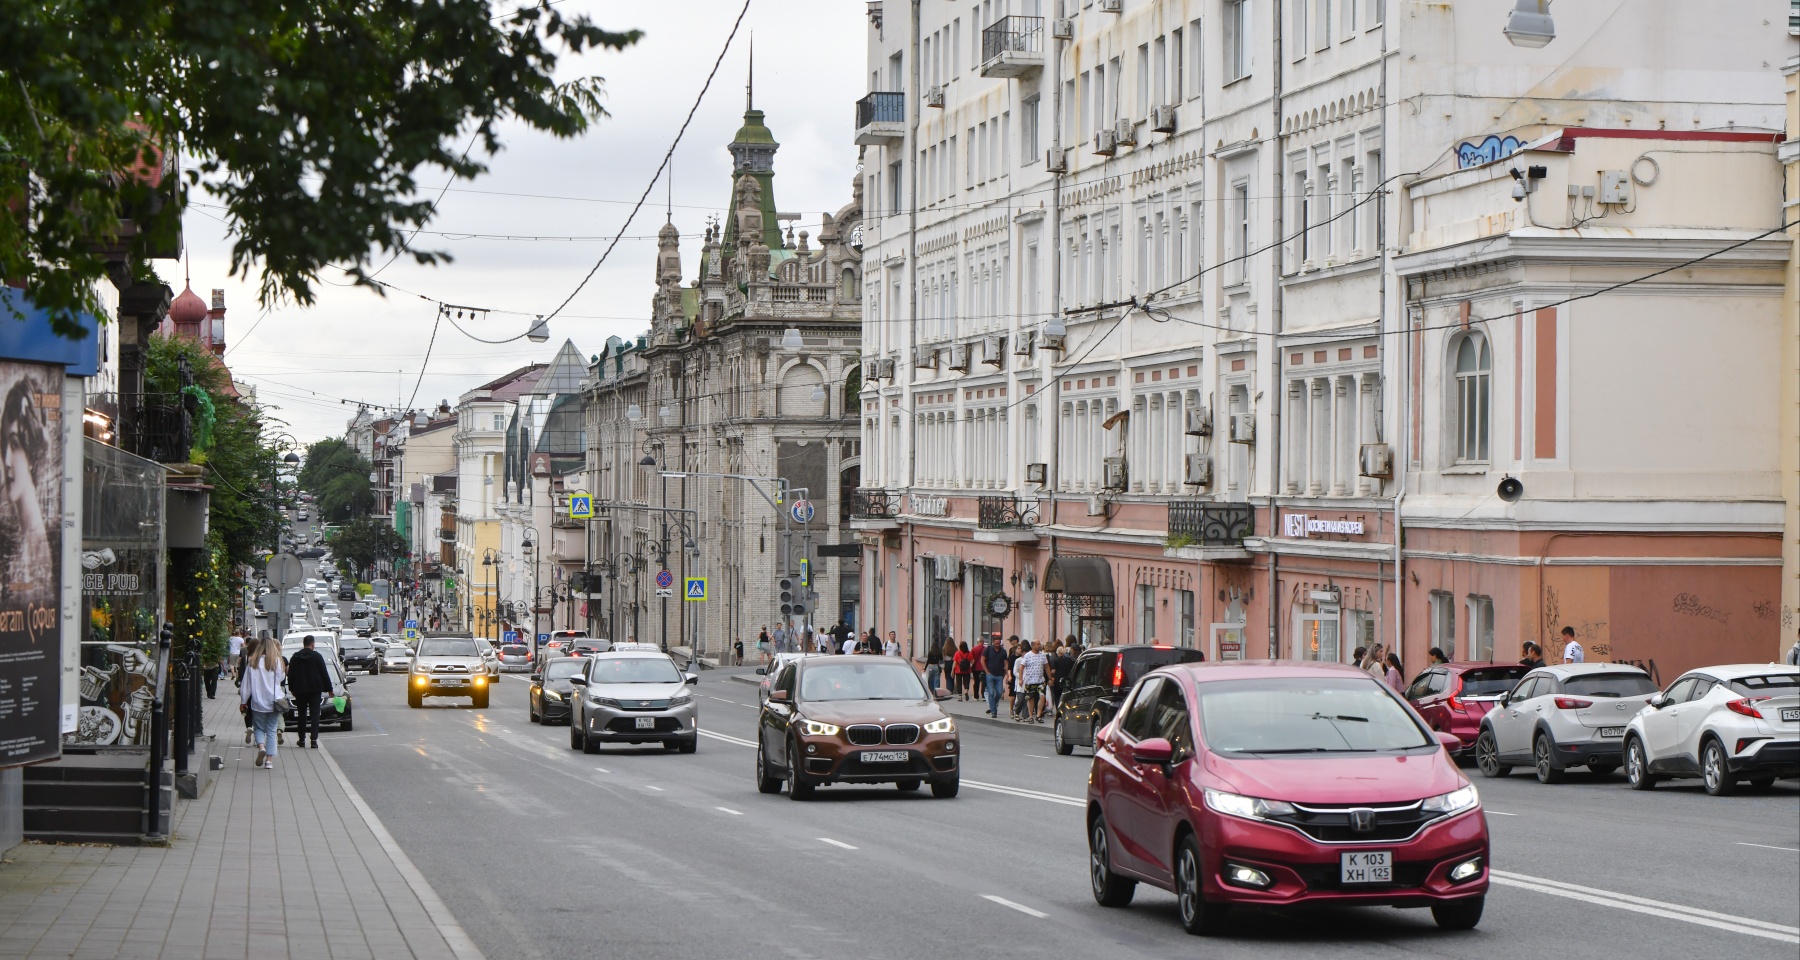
(1027, 794)
(735, 813)
(1015, 906)
(1767, 847)
(1497, 813)
(1655, 908)
(602, 769)
(652, 786)
(1037, 756)
(836, 843)
(720, 736)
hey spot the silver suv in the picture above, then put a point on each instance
(633, 696)
(1569, 715)
(449, 666)
(1721, 724)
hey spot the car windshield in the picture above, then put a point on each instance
(1304, 715)
(634, 670)
(1617, 684)
(1139, 662)
(562, 669)
(1769, 685)
(1490, 681)
(355, 643)
(860, 681)
(447, 647)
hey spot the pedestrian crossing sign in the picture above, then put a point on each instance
(581, 506)
(696, 589)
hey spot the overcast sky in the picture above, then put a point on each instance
(354, 345)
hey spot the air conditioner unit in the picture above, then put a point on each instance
(1112, 473)
(1198, 469)
(1243, 428)
(1111, 6)
(1025, 343)
(1062, 29)
(946, 568)
(1106, 143)
(1125, 133)
(871, 370)
(1162, 119)
(959, 357)
(993, 351)
(1377, 460)
(1096, 506)
(926, 359)
(1053, 341)
(1199, 422)
(1055, 162)
(1038, 473)
(934, 97)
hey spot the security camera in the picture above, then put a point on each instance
(1518, 188)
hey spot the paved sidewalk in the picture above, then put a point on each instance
(266, 864)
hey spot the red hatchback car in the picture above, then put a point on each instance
(1281, 783)
(1453, 697)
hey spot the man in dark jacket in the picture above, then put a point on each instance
(308, 682)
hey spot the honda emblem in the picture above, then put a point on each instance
(1362, 820)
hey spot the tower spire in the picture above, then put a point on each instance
(750, 77)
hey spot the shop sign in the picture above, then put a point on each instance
(1300, 525)
(929, 506)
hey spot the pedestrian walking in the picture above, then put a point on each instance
(934, 663)
(1572, 650)
(892, 647)
(1395, 673)
(1062, 666)
(1015, 651)
(1534, 655)
(209, 673)
(1436, 657)
(234, 647)
(260, 698)
(1374, 662)
(737, 650)
(959, 668)
(1034, 671)
(993, 661)
(309, 682)
(762, 644)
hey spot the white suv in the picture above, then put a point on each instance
(1569, 715)
(1722, 724)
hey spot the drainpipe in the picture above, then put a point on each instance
(1054, 413)
(1404, 423)
(1276, 388)
(912, 300)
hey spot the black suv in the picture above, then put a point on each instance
(1102, 678)
(357, 653)
(347, 591)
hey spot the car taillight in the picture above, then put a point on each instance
(1118, 673)
(1746, 706)
(1455, 704)
(1571, 703)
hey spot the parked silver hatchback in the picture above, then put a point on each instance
(1721, 724)
(1568, 715)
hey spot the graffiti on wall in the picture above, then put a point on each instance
(1474, 153)
(1693, 606)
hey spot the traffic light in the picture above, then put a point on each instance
(791, 598)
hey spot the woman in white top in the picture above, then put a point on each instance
(258, 695)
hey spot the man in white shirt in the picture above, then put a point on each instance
(233, 647)
(1572, 651)
(1033, 674)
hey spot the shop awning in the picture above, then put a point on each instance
(1082, 576)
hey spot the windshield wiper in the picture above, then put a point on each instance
(1321, 716)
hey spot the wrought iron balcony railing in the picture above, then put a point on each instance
(1013, 34)
(1206, 523)
(874, 505)
(1005, 513)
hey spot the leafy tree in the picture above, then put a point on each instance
(309, 119)
(365, 540)
(338, 477)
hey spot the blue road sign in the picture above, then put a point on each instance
(665, 579)
(543, 638)
(696, 589)
(411, 624)
(509, 636)
(581, 506)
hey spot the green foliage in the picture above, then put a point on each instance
(200, 592)
(311, 120)
(364, 540)
(1175, 540)
(339, 477)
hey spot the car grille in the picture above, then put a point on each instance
(863, 734)
(1331, 824)
(869, 734)
(902, 733)
(1330, 876)
(629, 725)
(450, 668)
(644, 704)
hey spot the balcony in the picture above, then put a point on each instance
(156, 426)
(1207, 530)
(874, 510)
(1013, 47)
(1005, 520)
(881, 119)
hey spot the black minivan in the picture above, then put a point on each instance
(1101, 679)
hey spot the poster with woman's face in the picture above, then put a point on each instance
(31, 458)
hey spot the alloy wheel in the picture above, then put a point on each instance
(1187, 886)
(1637, 766)
(1547, 771)
(1713, 768)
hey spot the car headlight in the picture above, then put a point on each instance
(603, 701)
(681, 698)
(1250, 808)
(941, 725)
(814, 728)
(1455, 801)
(551, 694)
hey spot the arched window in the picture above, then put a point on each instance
(1474, 376)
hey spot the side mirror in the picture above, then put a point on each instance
(693, 679)
(761, 672)
(1659, 701)
(778, 696)
(1449, 741)
(578, 681)
(537, 678)
(1155, 750)
(349, 679)
(1506, 698)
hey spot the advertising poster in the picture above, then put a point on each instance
(122, 588)
(31, 483)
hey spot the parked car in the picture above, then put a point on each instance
(1277, 783)
(1568, 715)
(1453, 697)
(515, 658)
(1721, 724)
(857, 719)
(1102, 677)
(329, 714)
(356, 653)
(637, 696)
(551, 691)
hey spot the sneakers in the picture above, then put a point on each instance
(315, 744)
(248, 734)
(260, 756)
(280, 735)
(269, 764)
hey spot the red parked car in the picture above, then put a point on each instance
(1453, 697)
(1281, 783)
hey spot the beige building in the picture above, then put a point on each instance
(1789, 628)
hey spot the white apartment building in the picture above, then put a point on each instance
(483, 565)
(1140, 325)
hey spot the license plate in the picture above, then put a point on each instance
(1612, 731)
(884, 756)
(1368, 867)
(453, 683)
(1790, 713)
(646, 723)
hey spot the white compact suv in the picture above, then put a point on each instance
(1568, 715)
(1721, 724)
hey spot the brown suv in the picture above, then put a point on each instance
(856, 719)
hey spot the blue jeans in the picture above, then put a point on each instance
(933, 672)
(265, 725)
(995, 683)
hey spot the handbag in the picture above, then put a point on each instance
(285, 702)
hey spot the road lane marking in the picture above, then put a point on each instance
(720, 736)
(602, 769)
(735, 813)
(1015, 906)
(1027, 794)
(1037, 756)
(836, 843)
(1655, 908)
(652, 786)
(1767, 847)
(1496, 813)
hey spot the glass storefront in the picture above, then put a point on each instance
(122, 593)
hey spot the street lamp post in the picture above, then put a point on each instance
(490, 558)
(529, 548)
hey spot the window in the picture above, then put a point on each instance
(893, 176)
(1443, 623)
(1481, 628)
(1159, 73)
(1172, 721)
(1474, 371)
(1237, 39)
(1146, 613)
(1321, 24)
(1187, 617)
(1299, 29)
(499, 421)
(1143, 80)
(1240, 220)
(1347, 20)
(1028, 132)
(1139, 717)
(1177, 63)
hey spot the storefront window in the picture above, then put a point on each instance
(1481, 628)
(988, 584)
(1186, 637)
(937, 608)
(1318, 638)
(1146, 613)
(1443, 623)
(1359, 626)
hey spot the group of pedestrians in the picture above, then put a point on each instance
(268, 686)
(1381, 663)
(1023, 673)
(804, 638)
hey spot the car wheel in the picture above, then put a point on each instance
(574, 734)
(1063, 747)
(1544, 761)
(1637, 766)
(690, 746)
(1110, 889)
(1459, 914)
(375, 668)
(413, 699)
(946, 787)
(588, 744)
(345, 724)
(1197, 916)
(479, 701)
(1716, 770)
(1487, 756)
(529, 709)
(799, 788)
(907, 786)
(766, 781)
